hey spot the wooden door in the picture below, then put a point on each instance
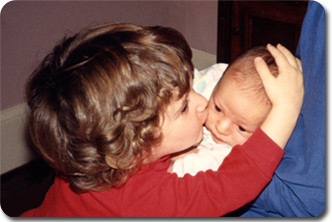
(245, 24)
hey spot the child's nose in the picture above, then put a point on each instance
(223, 126)
(201, 106)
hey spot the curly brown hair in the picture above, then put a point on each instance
(97, 100)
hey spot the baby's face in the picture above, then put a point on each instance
(233, 114)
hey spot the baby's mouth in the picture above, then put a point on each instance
(217, 139)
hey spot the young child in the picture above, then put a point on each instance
(110, 105)
(237, 107)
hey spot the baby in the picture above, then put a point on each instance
(237, 107)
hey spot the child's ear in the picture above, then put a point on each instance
(111, 162)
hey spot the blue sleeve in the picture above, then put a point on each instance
(298, 186)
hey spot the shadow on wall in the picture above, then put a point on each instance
(25, 187)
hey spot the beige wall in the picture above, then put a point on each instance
(29, 29)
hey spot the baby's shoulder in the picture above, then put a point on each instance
(205, 80)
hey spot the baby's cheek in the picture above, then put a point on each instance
(208, 121)
(210, 116)
(246, 137)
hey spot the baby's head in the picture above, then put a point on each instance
(97, 101)
(239, 104)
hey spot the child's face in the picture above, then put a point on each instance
(183, 124)
(233, 114)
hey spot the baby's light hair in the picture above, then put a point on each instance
(243, 71)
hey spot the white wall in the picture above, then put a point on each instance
(14, 148)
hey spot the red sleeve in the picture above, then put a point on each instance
(154, 192)
(241, 177)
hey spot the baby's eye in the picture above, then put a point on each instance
(217, 109)
(242, 129)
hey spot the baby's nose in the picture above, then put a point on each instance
(223, 126)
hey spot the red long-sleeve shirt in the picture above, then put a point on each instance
(154, 192)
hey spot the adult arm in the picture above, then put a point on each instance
(298, 186)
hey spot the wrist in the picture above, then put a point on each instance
(290, 111)
(280, 123)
